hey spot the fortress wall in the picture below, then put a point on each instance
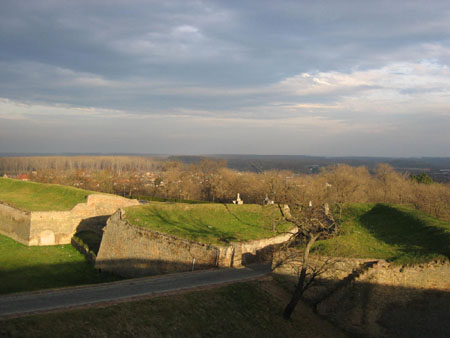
(58, 227)
(430, 276)
(130, 250)
(386, 300)
(393, 301)
(254, 246)
(15, 223)
(134, 251)
(52, 227)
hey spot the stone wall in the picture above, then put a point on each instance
(378, 299)
(135, 251)
(56, 227)
(335, 269)
(256, 245)
(392, 301)
(15, 223)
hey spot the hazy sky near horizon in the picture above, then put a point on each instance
(202, 77)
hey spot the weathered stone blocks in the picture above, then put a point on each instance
(135, 251)
(56, 227)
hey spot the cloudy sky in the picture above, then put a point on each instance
(203, 77)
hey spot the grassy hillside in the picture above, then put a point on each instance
(392, 232)
(40, 197)
(209, 223)
(28, 268)
(239, 310)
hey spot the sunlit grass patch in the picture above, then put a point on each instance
(210, 223)
(33, 196)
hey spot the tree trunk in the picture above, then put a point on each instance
(298, 292)
(300, 287)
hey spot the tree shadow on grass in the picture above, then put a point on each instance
(415, 237)
(238, 218)
(195, 227)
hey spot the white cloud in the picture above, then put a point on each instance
(396, 88)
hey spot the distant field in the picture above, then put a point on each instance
(28, 268)
(238, 310)
(209, 223)
(40, 197)
(396, 233)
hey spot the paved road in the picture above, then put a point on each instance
(33, 302)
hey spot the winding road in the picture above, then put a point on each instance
(22, 304)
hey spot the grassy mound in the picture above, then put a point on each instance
(209, 223)
(28, 268)
(40, 197)
(396, 233)
(238, 310)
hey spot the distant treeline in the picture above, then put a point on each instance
(311, 164)
(211, 180)
(15, 165)
(301, 163)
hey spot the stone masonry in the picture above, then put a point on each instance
(56, 227)
(375, 298)
(130, 250)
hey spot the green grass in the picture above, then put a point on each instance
(40, 197)
(238, 310)
(208, 223)
(396, 233)
(28, 268)
(165, 199)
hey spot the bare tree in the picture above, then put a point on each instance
(312, 223)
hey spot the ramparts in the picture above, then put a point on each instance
(56, 227)
(130, 250)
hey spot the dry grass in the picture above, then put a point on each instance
(251, 309)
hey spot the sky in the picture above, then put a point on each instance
(328, 78)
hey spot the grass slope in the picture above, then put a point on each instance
(238, 310)
(40, 197)
(24, 268)
(396, 233)
(208, 223)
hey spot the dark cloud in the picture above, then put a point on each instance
(208, 69)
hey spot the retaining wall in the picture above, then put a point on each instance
(130, 250)
(56, 227)
(133, 251)
(383, 300)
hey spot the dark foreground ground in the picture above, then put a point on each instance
(249, 309)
